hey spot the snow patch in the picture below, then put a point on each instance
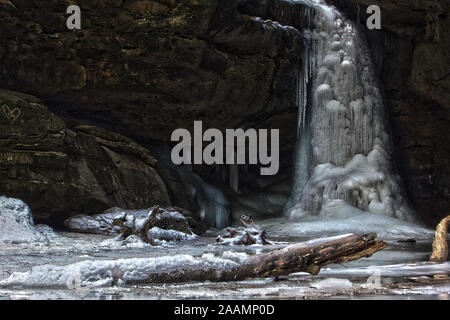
(332, 284)
(168, 235)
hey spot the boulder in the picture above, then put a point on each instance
(149, 225)
(61, 172)
(16, 222)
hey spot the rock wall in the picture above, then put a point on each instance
(61, 172)
(143, 68)
(146, 68)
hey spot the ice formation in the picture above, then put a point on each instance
(99, 223)
(332, 283)
(103, 223)
(169, 235)
(394, 270)
(16, 222)
(344, 148)
(338, 217)
(107, 272)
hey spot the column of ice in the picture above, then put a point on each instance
(344, 150)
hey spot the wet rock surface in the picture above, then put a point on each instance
(149, 67)
(145, 68)
(84, 170)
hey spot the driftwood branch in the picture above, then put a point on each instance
(301, 258)
(440, 246)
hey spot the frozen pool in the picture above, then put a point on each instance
(400, 271)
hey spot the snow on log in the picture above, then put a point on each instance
(247, 235)
(231, 266)
(159, 224)
(307, 257)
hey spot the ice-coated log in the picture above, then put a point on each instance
(159, 224)
(309, 257)
(230, 266)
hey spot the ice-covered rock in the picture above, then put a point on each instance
(16, 222)
(47, 232)
(103, 223)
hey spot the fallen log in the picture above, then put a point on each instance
(308, 257)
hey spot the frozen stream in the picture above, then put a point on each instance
(402, 270)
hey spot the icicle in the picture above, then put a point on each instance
(234, 177)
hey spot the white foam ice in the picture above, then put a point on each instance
(362, 183)
(105, 272)
(332, 283)
(338, 218)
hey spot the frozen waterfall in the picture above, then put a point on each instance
(344, 149)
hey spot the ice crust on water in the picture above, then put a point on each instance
(338, 218)
(344, 148)
(395, 270)
(101, 273)
(332, 283)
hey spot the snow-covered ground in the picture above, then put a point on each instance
(347, 219)
(85, 266)
(38, 263)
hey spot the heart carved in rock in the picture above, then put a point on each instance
(11, 115)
